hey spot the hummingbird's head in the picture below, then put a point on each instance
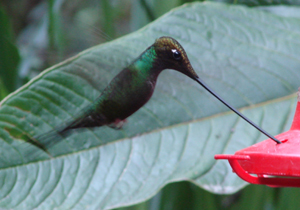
(171, 55)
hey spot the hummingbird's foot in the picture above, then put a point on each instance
(118, 124)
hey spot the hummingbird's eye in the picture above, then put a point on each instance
(176, 54)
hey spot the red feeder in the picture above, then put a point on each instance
(269, 163)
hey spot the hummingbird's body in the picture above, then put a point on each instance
(130, 90)
(127, 92)
(133, 86)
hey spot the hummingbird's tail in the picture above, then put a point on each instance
(47, 140)
(85, 119)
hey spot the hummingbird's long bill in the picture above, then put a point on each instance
(129, 91)
(236, 111)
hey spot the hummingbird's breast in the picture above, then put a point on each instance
(126, 93)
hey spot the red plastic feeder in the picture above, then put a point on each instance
(269, 163)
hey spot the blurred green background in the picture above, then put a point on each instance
(36, 34)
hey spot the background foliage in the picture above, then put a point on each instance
(38, 34)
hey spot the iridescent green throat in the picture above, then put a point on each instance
(146, 60)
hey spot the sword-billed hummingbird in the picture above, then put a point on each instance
(131, 89)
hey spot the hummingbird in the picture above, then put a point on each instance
(131, 89)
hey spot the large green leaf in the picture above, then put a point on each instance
(249, 56)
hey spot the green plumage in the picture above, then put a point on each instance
(125, 94)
